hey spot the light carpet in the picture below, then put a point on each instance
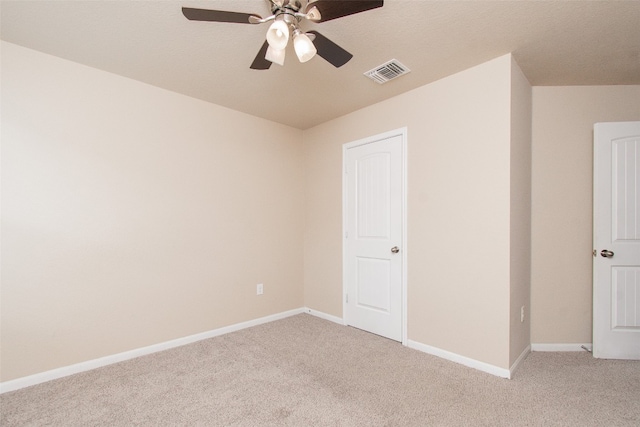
(305, 371)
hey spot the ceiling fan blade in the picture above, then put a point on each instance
(260, 63)
(218, 15)
(332, 9)
(330, 51)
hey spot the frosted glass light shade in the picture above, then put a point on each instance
(275, 55)
(278, 35)
(305, 50)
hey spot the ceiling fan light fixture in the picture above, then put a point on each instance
(286, 17)
(275, 55)
(278, 34)
(313, 14)
(305, 50)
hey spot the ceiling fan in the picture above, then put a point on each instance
(287, 16)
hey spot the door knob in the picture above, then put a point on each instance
(607, 254)
(395, 250)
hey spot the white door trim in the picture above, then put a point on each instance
(402, 132)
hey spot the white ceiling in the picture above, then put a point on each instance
(555, 42)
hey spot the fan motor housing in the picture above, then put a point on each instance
(294, 6)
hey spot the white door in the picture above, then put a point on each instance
(373, 245)
(616, 236)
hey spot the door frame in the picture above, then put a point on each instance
(402, 132)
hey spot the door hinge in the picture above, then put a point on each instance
(346, 298)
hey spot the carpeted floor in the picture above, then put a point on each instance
(304, 371)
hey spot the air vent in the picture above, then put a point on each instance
(388, 71)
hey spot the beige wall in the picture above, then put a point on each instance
(132, 215)
(561, 287)
(459, 209)
(520, 220)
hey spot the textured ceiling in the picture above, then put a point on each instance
(555, 43)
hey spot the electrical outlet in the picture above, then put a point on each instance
(259, 289)
(522, 314)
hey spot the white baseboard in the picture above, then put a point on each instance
(463, 360)
(519, 360)
(65, 371)
(560, 347)
(131, 354)
(324, 316)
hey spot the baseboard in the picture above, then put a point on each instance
(65, 371)
(560, 347)
(519, 360)
(463, 360)
(324, 316)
